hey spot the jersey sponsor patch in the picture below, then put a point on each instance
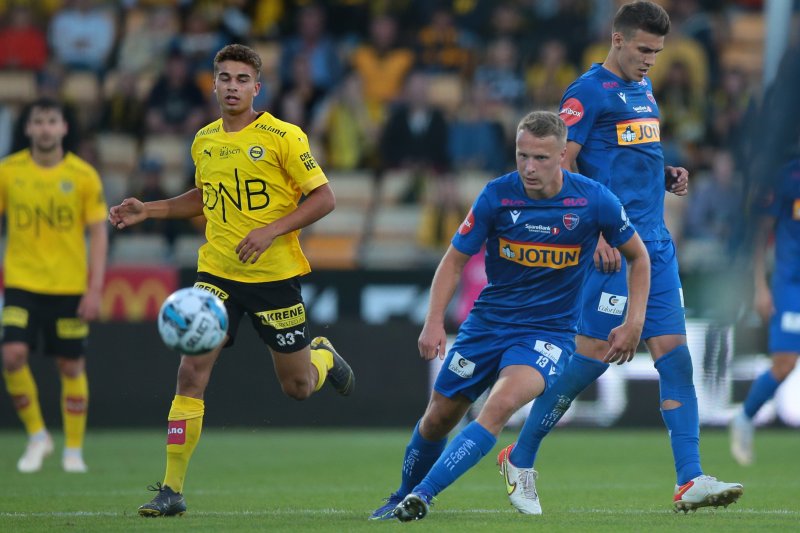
(213, 289)
(15, 317)
(461, 366)
(548, 349)
(790, 322)
(638, 132)
(468, 224)
(796, 209)
(288, 317)
(176, 432)
(612, 304)
(540, 255)
(571, 112)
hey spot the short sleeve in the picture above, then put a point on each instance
(579, 108)
(473, 232)
(95, 208)
(615, 225)
(300, 164)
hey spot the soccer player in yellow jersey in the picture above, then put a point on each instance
(50, 199)
(251, 171)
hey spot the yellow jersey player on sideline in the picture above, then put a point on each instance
(50, 197)
(251, 170)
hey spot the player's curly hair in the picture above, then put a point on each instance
(238, 52)
(544, 124)
(641, 15)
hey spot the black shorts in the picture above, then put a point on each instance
(276, 309)
(26, 313)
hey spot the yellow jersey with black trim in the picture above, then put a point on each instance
(47, 210)
(249, 179)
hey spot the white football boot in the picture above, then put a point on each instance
(38, 448)
(741, 430)
(520, 484)
(72, 461)
(705, 491)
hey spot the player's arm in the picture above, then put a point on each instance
(132, 211)
(676, 180)
(317, 204)
(89, 306)
(625, 338)
(570, 161)
(433, 339)
(762, 297)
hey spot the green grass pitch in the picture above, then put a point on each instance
(320, 480)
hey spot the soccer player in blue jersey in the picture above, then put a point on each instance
(540, 225)
(614, 138)
(779, 308)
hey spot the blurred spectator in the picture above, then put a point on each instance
(476, 140)
(23, 44)
(550, 75)
(200, 39)
(566, 21)
(82, 35)
(509, 21)
(146, 40)
(443, 47)
(499, 72)
(383, 64)
(415, 135)
(175, 105)
(714, 207)
(681, 105)
(297, 101)
(313, 43)
(347, 131)
(690, 19)
(123, 108)
(146, 185)
(726, 108)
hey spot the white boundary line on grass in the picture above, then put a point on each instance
(313, 512)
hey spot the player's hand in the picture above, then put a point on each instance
(254, 244)
(131, 211)
(606, 258)
(764, 306)
(89, 306)
(623, 341)
(676, 180)
(432, 341)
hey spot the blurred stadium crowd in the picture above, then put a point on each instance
(410, 105)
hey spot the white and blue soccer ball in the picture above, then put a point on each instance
(192, 321)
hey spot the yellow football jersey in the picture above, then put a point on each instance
(47, 210)
(250, 178)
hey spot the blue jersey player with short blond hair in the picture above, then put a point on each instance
(779, 308)
(539, 226)
(614, 138)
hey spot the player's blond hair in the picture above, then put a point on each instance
(544, 124)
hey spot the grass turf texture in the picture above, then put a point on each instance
(307, 480)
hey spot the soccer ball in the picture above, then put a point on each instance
(192, 321)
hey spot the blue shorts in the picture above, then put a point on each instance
(481, 351)
(784, 326)
(604, 297)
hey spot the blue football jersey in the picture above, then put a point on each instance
(784, 205)
(616, 122)
(537, 251)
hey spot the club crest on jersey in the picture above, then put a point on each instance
(796, 209)
(255, 152)
(571, 221)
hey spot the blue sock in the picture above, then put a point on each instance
(675, 383)
(547, 410)
(761, 391)
(420, 456)
(463, 452)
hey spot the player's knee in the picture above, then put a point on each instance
(782, 366)
(297, 389)
(436, 424)
(15, 356)
(668, 405)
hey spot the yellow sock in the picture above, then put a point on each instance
(323, 360)
(183, 433)
(74, 407)
(25, 395)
